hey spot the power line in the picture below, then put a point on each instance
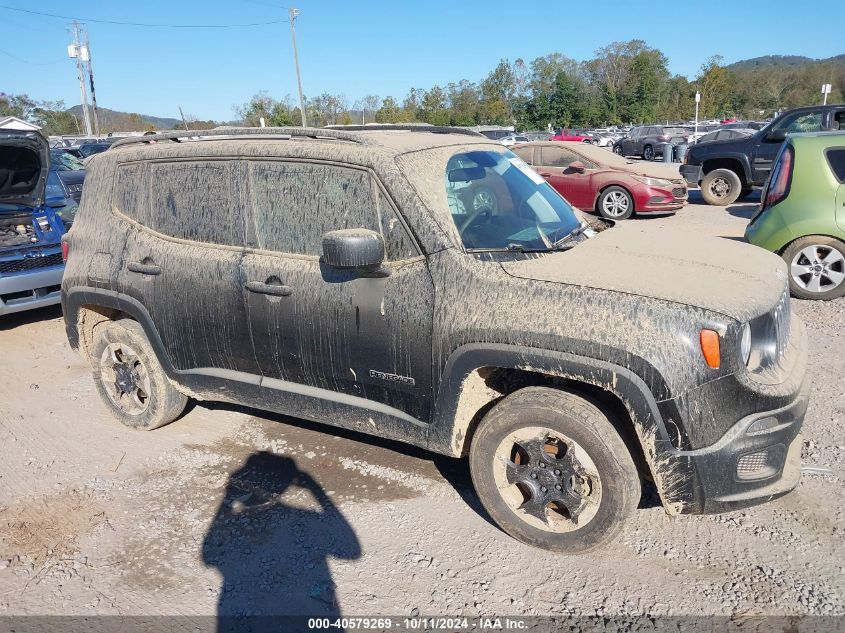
(143, 24)
(26, 61)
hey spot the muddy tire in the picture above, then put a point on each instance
(720, 187)
(816, 267)
(553, 472)
(648, 152)
(615, 203)
(130, 379)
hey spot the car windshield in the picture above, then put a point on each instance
(498, 202)
(62, 161)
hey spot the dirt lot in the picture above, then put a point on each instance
(227, 510)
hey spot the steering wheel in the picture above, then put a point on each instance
(472, 216)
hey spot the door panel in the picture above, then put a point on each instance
(573, 186)
(840, 207)
(192, 290)
(334, 330)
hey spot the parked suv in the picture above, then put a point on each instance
(647, 141)
(352, 277)
(729, 170)
(802, 214)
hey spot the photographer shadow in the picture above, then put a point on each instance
(271, 539)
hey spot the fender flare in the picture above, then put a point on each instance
(74, 299)
(448, 432)
(742, 159)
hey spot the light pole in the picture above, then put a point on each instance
(697, 100)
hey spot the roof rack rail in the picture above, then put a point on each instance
(406, 127)
(178, 136)
(340, 133)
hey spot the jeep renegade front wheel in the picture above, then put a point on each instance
(552, 471)
(130, 379)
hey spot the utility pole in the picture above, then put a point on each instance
(91, 82)
(294, 13)
(182, 114)
(75, 51)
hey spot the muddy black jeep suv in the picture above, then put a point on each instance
(427, 286)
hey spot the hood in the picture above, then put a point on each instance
(24, 162)
(732, 278)
(652, 170)
(618, 163)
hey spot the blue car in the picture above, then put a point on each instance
(34, 214)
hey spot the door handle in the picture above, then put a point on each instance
(268, 289)
(545, 174)
(144, 268)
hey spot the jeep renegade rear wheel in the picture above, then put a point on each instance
(130, 379)
(552, 471)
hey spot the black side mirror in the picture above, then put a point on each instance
(355, 249)
(776, 136)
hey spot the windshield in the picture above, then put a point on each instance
(62, 161)
(498, 202)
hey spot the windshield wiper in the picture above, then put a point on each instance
(570, 236)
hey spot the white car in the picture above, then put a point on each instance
(513, 139)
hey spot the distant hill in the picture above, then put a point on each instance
(115, 121)
(782, 61)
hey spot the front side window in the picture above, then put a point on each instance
(295, 204)
(556, 157)
(802, 122)
(498, 202)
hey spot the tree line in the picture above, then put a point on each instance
(625, 82)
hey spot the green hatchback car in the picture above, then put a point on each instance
(802, 214)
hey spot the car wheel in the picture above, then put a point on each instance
(648, 152)
(617, 149)
(483, 197)
(615, 203)
(816, 267)
(552, 471)
(130, 379)
(720, 187)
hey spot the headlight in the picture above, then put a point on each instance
(745, 343)
(653, 182)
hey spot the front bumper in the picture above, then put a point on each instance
(757, 460)
(692, 174)
(31, 289)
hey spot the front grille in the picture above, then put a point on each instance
(30, 263)
(679, 192)
(781, 317)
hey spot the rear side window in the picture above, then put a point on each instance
(192, 200)
(295, 204)
(186, 200)
(836, 158)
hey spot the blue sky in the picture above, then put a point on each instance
(367, 46)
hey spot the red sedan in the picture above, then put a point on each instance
(596, 180)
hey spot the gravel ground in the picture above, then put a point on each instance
(228, 510)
